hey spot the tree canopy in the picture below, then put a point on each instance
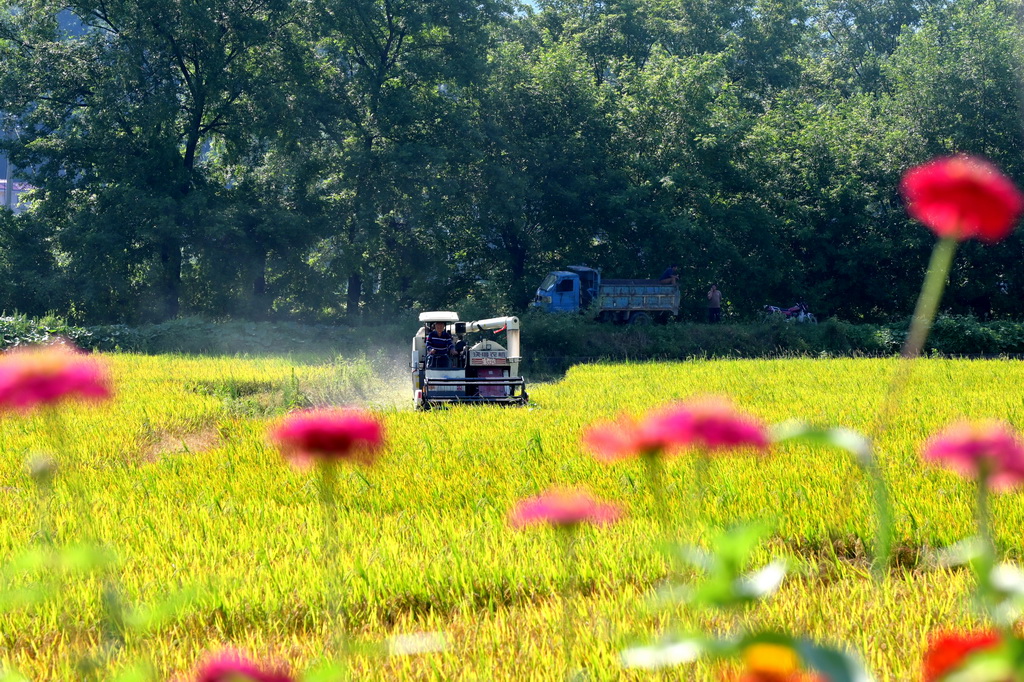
(277, 159)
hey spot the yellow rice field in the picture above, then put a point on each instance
(176, 478)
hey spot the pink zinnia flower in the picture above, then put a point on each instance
(329, 435)
(563, 508)
(628, 437)
(709, 423)
(230, 666)
(46, 375)
(962, 197)
(989, 448)
(714, 424)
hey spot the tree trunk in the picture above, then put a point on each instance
(517, 251)
(355, 290)
(260, 302)
(170, 284)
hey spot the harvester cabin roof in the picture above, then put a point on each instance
(445, 316)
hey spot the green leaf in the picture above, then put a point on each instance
(762, 583)
(85, 558)
(140, 672)
(12, 676)
(726, 582)
(22, 597)
(961, 553)
(846, 439)
(327, 671)
(666, 654)
(836, 665)
(146, 618)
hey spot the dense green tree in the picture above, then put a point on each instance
(855, 38)
(386, 77)
(957, 81)
(313, 159)
(28, 267)
(115, 120)
(542, 180)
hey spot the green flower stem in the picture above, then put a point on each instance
(931, 294)
(883, 519)
(920, 325)
(984, 519)
(327, 488)
(656, 478)
(113, 615)
(567, 538)
(988, 596)
(701, 477)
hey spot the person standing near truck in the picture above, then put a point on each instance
(714, 305)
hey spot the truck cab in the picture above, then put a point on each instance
(567, 291)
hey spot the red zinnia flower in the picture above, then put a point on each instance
(709, 423)
(947, 651)
(46, 375)
(563, 508)
(962, 197)
(989, 448)
(230, 666)
(329, 435)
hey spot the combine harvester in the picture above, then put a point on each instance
(485, 372)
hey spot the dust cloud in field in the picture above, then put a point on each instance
(377, 379)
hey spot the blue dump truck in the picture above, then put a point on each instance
(634, 301)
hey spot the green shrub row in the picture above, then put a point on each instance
(204, 337)
(554, 342)
(549, 341)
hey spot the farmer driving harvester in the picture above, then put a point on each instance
(446, 370)
(440, 347)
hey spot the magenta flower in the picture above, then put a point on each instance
(709, 423)
(627, 437)
(231, 666)
(31, 377)
(990, 449)
(329, 435)
(714, 424)
(962, 197)
(564, 508)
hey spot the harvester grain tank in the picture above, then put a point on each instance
(485, 372)
(579, 288)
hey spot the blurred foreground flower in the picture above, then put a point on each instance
(714, 424)
(328, 435)
(990, 451)
(31, 377)
(767, 662)
(948, 651)
(563, 508)
(230, 666)
(961, 197)
(710, 423)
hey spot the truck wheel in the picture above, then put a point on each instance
(639, 318)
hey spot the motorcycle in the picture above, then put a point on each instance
(797, 313)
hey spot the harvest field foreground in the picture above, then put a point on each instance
(182, 484)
